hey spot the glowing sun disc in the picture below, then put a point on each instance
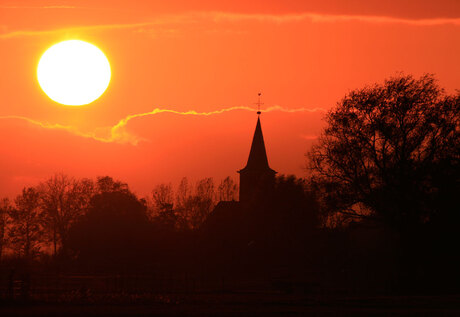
(73, 73)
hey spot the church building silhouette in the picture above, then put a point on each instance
(257, 180)
(256, 177)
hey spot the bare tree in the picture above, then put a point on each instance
(183, 195)
(162, 196)
(63, 200)
(5, 209)
(194, 205)
(227, 190)
(163, 206)
(201, 203)
(183, 192)
(25, 224)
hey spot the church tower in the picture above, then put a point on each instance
(257, 177)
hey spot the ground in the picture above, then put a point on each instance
(248, 304)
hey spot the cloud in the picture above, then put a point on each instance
(42, 7)
(194, 17)
(25, 33)
(118, 133)
(56, 126)
(328, 18)
(60, 7)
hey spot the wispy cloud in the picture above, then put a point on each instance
(56, 126)
(328, 18)
(25, 33)
(194, 17)
(40, 7)
(118, 133)
(60, 7)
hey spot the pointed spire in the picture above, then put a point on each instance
(258, 155)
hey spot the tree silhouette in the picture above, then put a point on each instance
(387, 150)
(202, 202)
(106, 184)
(26, 231)
(183, 194)
(163, 206)
(194, 204)
(63, 200)
(114, 225)
(227, 190)
(5, 209)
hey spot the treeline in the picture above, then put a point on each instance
(58, 215)
(377, 212)
(187, 207)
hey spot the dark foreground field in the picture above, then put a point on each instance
(247, 304)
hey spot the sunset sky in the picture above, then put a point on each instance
(193, 59)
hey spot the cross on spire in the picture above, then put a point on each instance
(258, 103)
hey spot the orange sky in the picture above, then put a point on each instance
(203, 56)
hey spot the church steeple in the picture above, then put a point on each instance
(258, 155)
(257, 176)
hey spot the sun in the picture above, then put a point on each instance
(73, 73)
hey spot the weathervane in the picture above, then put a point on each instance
(259, 104)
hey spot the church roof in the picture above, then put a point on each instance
(258, 160)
